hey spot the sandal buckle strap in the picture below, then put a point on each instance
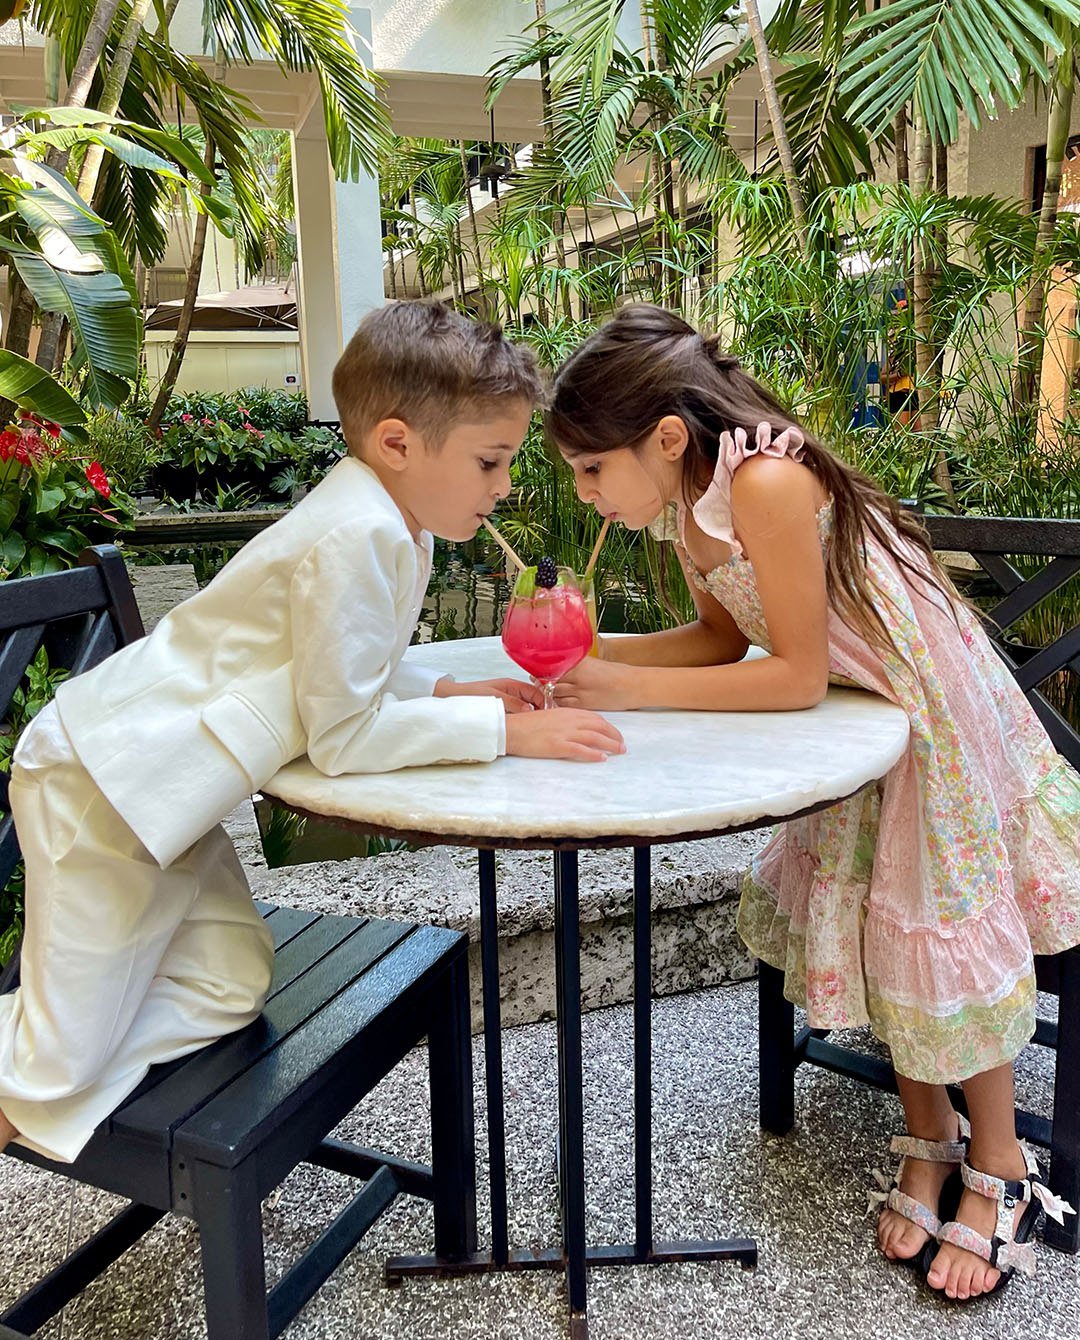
(932, 1151)
(914, 1210)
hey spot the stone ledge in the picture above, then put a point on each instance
(439, 884)
(695, 898)
(160, 587)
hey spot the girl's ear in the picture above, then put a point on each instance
(671, 437)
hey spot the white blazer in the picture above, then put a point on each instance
(294, 647)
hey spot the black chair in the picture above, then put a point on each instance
(209, 1136)
(781, 1051)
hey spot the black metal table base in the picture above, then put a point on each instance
(575, 1255)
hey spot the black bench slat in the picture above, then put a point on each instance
(1000, 570)
(155, 1114)
(1050, 660)
(56, 595)
(20, 648)
(1026, 596)
(100, 642)
(311, 945)
(285, 923)
(1004, 534)
(268, 1094)
(293, 925)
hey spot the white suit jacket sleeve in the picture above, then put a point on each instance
(351, 621)
(413, 681)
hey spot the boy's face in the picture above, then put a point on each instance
(447, 489)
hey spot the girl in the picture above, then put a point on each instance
(915, 906)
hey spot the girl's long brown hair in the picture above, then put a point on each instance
(647, 363)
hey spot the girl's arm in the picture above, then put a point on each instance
(712, 639)
(775, 502)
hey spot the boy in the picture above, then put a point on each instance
(142, 942)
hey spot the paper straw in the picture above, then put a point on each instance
(503, 544)
(596, 547)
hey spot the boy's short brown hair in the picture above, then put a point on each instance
(427, 365)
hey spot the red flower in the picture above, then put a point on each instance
(53, 429)
(30, 417)
(207, 423)
(9, 441)
(32, 446)
(98, 478)
(250, 428)
(187, 418)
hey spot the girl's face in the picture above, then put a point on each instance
(633, 484)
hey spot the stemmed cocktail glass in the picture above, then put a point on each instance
(547, 629)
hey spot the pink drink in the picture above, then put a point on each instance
(549, 633)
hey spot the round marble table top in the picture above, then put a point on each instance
(684, 774)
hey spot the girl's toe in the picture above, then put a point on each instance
(938, 1274)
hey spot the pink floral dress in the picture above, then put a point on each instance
(916, 905)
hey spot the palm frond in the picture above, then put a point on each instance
(948, 56)
(312, 35)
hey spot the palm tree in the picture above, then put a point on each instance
(972, 59)
(779, 125)
(1058, 116)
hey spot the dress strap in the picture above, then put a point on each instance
(712, 511)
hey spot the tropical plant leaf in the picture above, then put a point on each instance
(591, 27)
(138, 206)
(99, 309)
(35, 389)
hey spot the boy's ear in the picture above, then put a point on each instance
(394, 442)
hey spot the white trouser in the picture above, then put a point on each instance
(123, 964)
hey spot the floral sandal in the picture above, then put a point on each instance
(890, 1196)
(1011, 1248)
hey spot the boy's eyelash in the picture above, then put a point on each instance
(488, 465)
(592, 469)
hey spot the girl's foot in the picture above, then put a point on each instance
(920, 1181)
(7, 1132)
(962, 1274)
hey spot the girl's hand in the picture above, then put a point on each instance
(599, 685)
(514, 694)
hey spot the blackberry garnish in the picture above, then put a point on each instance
(547, 574)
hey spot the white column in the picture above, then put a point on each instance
(339, 246)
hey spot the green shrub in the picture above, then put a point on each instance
(262, 407)
(200, 456)
(124, 446)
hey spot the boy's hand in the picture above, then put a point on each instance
(514, 694)
(599, 685)
(563, 733)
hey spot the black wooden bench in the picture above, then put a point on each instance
(988, 541)
(209, 1136)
